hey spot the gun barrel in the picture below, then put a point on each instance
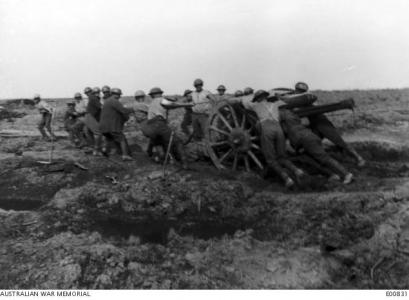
(325, 108)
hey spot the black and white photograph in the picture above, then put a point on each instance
(204, 145)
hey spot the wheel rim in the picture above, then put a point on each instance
(232, 139)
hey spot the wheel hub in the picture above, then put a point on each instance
(239, 139)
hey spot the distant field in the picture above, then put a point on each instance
(373, 107)
(362, 97)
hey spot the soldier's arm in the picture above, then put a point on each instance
(169, 104)
(212, 98)
(233, 100)
(125, 112)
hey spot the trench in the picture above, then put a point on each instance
(157, 232)
(20, 204)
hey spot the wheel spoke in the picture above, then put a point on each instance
(233, 113)
(255, 159)
(217, 144)
(243, 121)
(225, 155)
(246, 162)
(255, 146)
(221, 117)
(214, 128)
(235, 161)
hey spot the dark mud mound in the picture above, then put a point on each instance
(10, 115)
(382, 151)
(27, 184)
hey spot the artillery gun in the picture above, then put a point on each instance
(232, 136)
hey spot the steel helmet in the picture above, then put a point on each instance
(221, 88)
(260, 93)
(139, 94)
(187, 92)
(248, 91)
(105, 89)
(238, 93)
(77, 96)
(87, 90)
(155, 90)
(116, 91)
(37, 96)
(198, 82)
(96, 90)
(301, 86)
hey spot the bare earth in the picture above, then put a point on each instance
(64, 227)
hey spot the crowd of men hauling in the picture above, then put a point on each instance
(100, 122)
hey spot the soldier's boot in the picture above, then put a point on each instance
(82, 140)
(338, 168)
(348, 178)
(43, 133)
(97, 145)
(51, 133)
(359, 160)
(299, 173)
(288, 182)
(149, 150)
(125, 150)
(334, 177)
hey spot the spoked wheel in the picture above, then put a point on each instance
(232, 139)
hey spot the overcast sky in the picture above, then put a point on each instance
(57, 47)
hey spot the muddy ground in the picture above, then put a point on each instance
(65, 227)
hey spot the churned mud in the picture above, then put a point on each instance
(70, 225)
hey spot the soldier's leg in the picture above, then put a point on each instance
(196, 127)
(97, 143)
(282, 155)
(71, 135)
(203, 124)
(120, 138)
(41, 125)
(331, 133)
(109, 139)
(48, 119)
(187, 120)
(312, 145)
(267, 136)
(79, 133)
(176, 148)
(93, 125)
(149, 150)
(327, 130)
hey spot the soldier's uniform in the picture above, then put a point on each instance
(200, 112)
(70, 119)
(320, 124)
(187, 117)
(92, 120)
(78, 126)
(158, 131)
(271, 135)
(46, 112)
(302, 137)
(221, 96)
(113, 117)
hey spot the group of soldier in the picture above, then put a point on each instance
(99, 122)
